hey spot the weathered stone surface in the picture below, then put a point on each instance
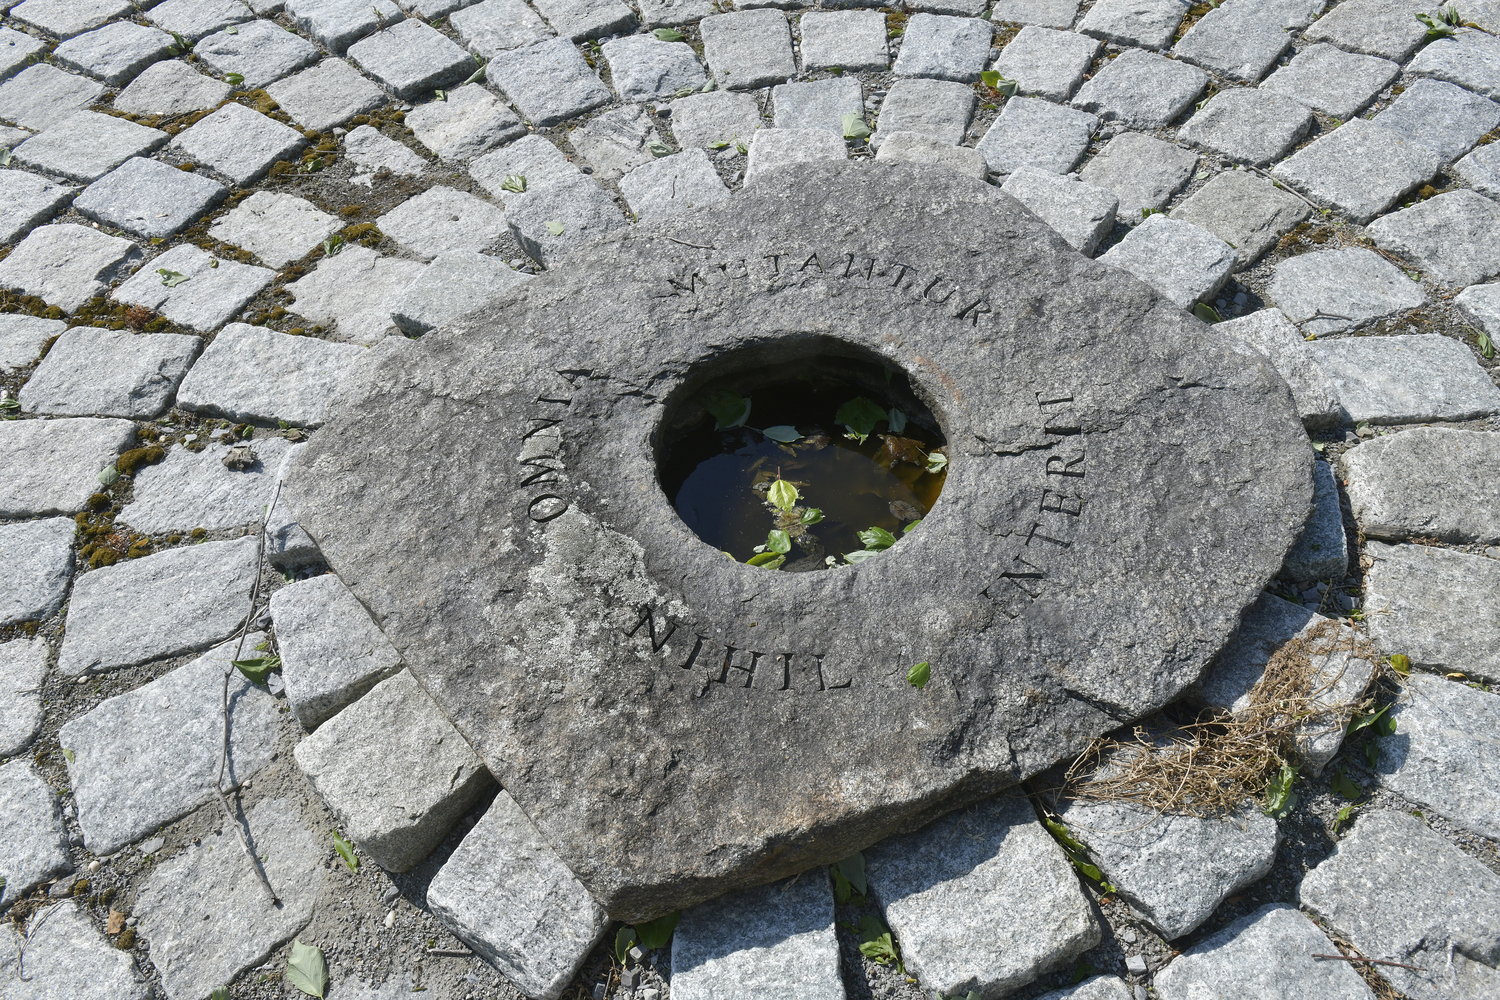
(1430, 482)
(948, 890)
(670, 13)
(456, 282)
(851, 39)
(239, 143)
(1265, 955)
(1321, 552)
(33, 843)
(398, 801)
(817, 103)
(1332, 81)
(534, 158)
(548, 82)
(215, 290)
(116, 52)
(1399, 892)
(340, 23)
(1329, 291)
(580, 19)
(1036, 133)
(936, 752)
(1097, 988)
(914, 147)
(944, 48)
(412, 59)
(1244, 210)
(1240, 41)
(146, 757)
(496, 26)
(194, 489)
(506, 894)
(1082, 213)
(1481, 305)
(67, 264)
(22, 337)
(1141, 171)
(614, 143)
(1440, 117)
(1047, 63)
(1181, 261)
(720, 116)
(109, 373)
(758, 941)
(149, 198)
(1148, 23)
(171, 88)
(470, 123)
(1481, 170)
(371, 152)
(287, 545)
(23, 664)
(1142, 89)
(261, 51)
(644, 68)
(326, 95)
(442, 219)
(40, 96)
(673, 184)
(86, 146)
(1386, 28)
(1451, 236)
(276, 227)
(774, 148)
(52, 466)
(66, 957)
(937, 108)
(38, 556)
(1434, 605)
(1047, 13)
(17, 48)
(1406, 379)
(338, 293)
(28, 200)
(1249, 126)
(748, 48)
(161, 605)
(1470, 59)
(195, 19)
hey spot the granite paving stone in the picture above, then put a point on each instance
(437, 9)
(1385, 28)
(581, 19)
(149, 198)
(1031, 132)
(442, 219)
(274, 226)
(1450, 236)
(22, 337)
(778, 147)
(251, 373)
(205, 912)
(957, 8)
(1481, 304)
(400, 799)
(10, 136)
(1141, 171)
(944, 48)
(171, 88)
(917, 148)
(1481, 170)
(17, 48)
(239, 143)
(67, 264)
(578, 205)
(1360, 169)
(40, 96)
(1043, 13)
(27, 200)
(326, 96)
(1440, 117)
(114, 53)
(1264, 955)
(1095, 988)
(1249, 126)
(1406, 378)
(534, 158)
(88, 145)
(644, 68)
(38, 556)
(337, 293)
(612, 142)
(983, 899)
(937, 108)
(1328, 291)
(412, 59)
(52, 466)
(672, 13)
(709, 119)
(1244, 210)
(1147, 23)
(109, 373)
(196, 19)
(673, 184)
(194, 489)
(1321, 552)
(66, 18)
(33, 847)
(66, 956)
(337, 24)
(1469, 58)
(506, 894)
(288, 546)
(148, 756)
(1332, 81)
(1142, 90)
(1241, 41)
(757, 941)
(744, 49)
(852, 40)
(214, 290)
(1047, 63)
(1181, 261)
(1434, 605)
(1294, 15)
(1429, 482)
(496, 26)
(1081, 213)
(260, 51)
(548, 82)
(817, 103)
(1399, 892)
(23, 666)
(371, 152)
(470, 123)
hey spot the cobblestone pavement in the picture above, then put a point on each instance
(210, 209)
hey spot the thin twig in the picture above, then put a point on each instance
(1371, 961)
(696, 246)
(1283, 187)
(450, 952)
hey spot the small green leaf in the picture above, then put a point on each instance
(219, 993)
(741, 148)
(860, 416)
(669, 35)
(654, 934)
(785, 433)
(783, 495)
(256, 670)
(68, 755)
(855, 127)
(728, 408)
(109, 475)
(778, 541)
(877, 539)
(232, 30)
(936, 462)
(332, 245)
(5, 157)
(1344, 815)
(346, 851)
(1207, 313)
(514, 183)
(910, 527)
(1401, 663)
(897, 420)
(718, 145)
(478, 74)
(1345, 786)
(1280, 799)
(179, 43)
(234, 79)
(875, 942)
(441, 95)
(855, 558)
(1385, 725)
(852, 870)
(554, 227)
(919, 674)
(624, 938)
(812, 515)
(172, 278)
(307, 970)
(990, 78)
(767, 560)
(1372, 754)
(659, 149)
(1365, 721)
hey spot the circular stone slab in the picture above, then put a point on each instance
(1123, 482)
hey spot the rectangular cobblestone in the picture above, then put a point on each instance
(1360, 169)
(239, 143)
(1385, 28)
(1407, 379)
(87, 146)
(338, 24)
(850, 39)
(944, 48)
(276, 227)
(496, 26)
(1042, 13)
(1142, 90)
(1142, 172)
(327, 95)
(914, 147)
(1081, 213)
(644, 68)
(1450, 236)
(353, 292)
(441, 219)
(196, 19)
(66, 18)
(1147, 23)
(91, 372)
(207, 300)
(52, 466)
(67, 264)
(1333, 290)
(1186, 264)
(1332, 81)
(778, 147)
(40, 96)
(1470, 59)
(412, 59)
(1244, 210)
(455, 283)
(720, 116)
(171, 88)
(1047, 63)
(1241, 41)
(28, 200)
(581, 19)
(1249, 126)
(937, 108)
(22, 337)
(1035, 133)
(38, 556)
(548, 82)
(578, 205)
(672, 185)
(17, 48)
(251, 373)
(817, 103)
(149, 198)
(613, 144)
(260, 51)
(1441, 117)
(748, 48)
(23, 667)
(114, 53)
(672, 13)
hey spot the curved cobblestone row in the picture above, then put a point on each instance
(211, 209)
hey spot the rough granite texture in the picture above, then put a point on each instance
(470, 123)
(1428, 482)
(1322, 550)
(1183, 262)
(66, 956)
(1244, 210)
(52, 466)
(1081, 213)
(1434, 605)
(1406, 378)
(1451, 237)
(1329, 291)
(109, 373)
(38, 557)
(23, 665)
(67, 264)
(33, 841)
(194, 489)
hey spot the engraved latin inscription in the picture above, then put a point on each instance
(541, 459)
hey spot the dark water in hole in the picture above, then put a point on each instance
(709, 475)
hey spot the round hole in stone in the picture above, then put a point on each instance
(863, 456)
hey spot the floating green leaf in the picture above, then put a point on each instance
(1280, 799)
(1401, 663)
(778, 541)
(654, 934)
(232, 30)
(669, 35)
(877, 539)
(860, 416)
(307, 969)
(729, 408)
(783, 495)
(624, 938)
(897, 420)
(875, 942)
(812, 515)
(234, 79)
(109, 475)
(767, 560)
(346, 851)
(554, 227)
(936, 462)
(172, 278)
(785, 433)
(855, 558)
(256, 670)
(719, 145)
(855, 127)
(910, 527)
(919, 674)
(1346, 786)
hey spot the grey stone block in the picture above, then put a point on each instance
(435, 9)
(1360, 169)
(1434, 605)
(470, 123)
(239, 143)
(174, 602)
(1385, 28)
(17, 49)
(644, 68)
(86, 146)
(67, 264)
(331, 652)
(1440, 117)
(936, 108)
(548, 82)
(149, 198)
(275, 227)
(534, 158)
(613, 142)
(40, 96)
(194, 489)
(22, 336)
(1397, 890)
(818, 104)
(914, 147)
(417, 779)
(371, 152)
(146, 757)
(1470, 59)
(109, 373)
(1081, 213)
(1239, 41)
(1481, 170)
(1244, 210)
(1328, 291)
(327, 95)
(1321, 552)
(287, 545)
(250, 373)
(1430, 482)
(1273, 335)
(455, 283)
(580, 19)
(23, 665)
(983, 899)
(1406, 379)
(412, 59)
(673, 184)
(65, 956)
(1141, 171)
(778, 147)
(672, 13)
(205, 913)
(441, 219)
(944, 48)
(957, 8)
(579, 206)
(52, 466)
(755, 942)
(195, 19)
(506, 894)
(1097, 988)
(66, 18)
(338, 24)
(260, 51)
(1181, 261)
(38, 556)
(1294, 15)
(709, 119)
(1451, 236)
(1047, 63)
(169, 89)
(214, 292)
(1043, 13)
(1265, 955)
(28, 200)
(1035, 133)
(1249, 126)
(353, 292)
(1147, 23)
(496, 26)
(850, 39)
(114, 53)
(1141, 89)
(34, 844)
(1481, 304)
(1332, 81)
(746, 49)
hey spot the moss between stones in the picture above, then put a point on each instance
(130, 461)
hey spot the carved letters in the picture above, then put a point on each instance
(541, 459)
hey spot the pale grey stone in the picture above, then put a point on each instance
(548, 82)
(1273, 335)
(52, 466)
(1451, 236)
(671, 13)
(371, 152)
(23, 665)
(746, 49)
(1481, 304)
(983, 899)
(1244, 210)
(470, 123)
(1043, 13)
(614, 143)
(1481, 170)
(1386, 28)
(326, 95)
(412, 59)
(1434, 605)
(758, 942)
(673, 184)
(959, 8)
(1141, 171)
(208, 299)
(1147, 23)
(22, 337)
(1395, 889)
(1047, 63)
(1293, 15)
(1332, 81)
(1141, 89)
(1469, 58)
(195, 19)
(580, 19)
(276, 227)
(1265, 955)
(818, 103)
(850, 39)
(88, 145)
(353, 292)
(66, 18)
(17, 48)
(174, 602)
(28, 200)
(287, 544)
(415, 780)
(1440, 117)
(1081, 213)
(534, 158)
(250, 373)
(917, 148)
(937, 108)
(109, 373)
(10, 136)
(1327, 291)
(40, 96)
(169, 89)
(1031, 132)
(944, 48)
(1181, 261)
(441, 219)
(709, 119)
(239, 143)
(114, 53)
(67, 264)
(338, 24)
(778, 147)
(1249, 126)
(496, 26)
(1321, 552)
(261, 51)
(455, 283)
(1241, 41)
(193, 489)
(435, 9)
(33, 843)
(65, 956)
(205, 912)
(149, 198)
(583, 210)
(644, 68)
(1097, 988)
(1406, 379)
(38, 556)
